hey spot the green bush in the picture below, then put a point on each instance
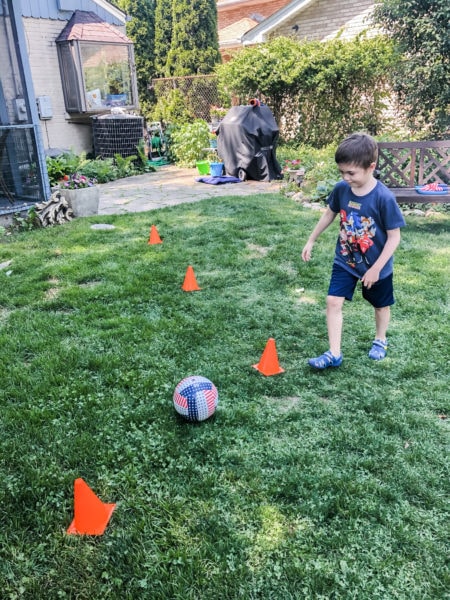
(101, 169)
(322, 91)
(419, 31)
(321, 172)
(65, 164)
(188, 142)
(172, 108)
(125, 166)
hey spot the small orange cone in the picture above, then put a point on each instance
(91, 515)
(269, 365)
(154, 236)
(190, 283)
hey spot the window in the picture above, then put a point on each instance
(107, 75)
(97, 73)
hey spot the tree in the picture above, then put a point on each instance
(163, 35)
(141, 29)
(420, 30)
(194, 44)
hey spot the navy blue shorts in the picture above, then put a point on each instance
(343, 284)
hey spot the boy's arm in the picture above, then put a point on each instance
(372, 275)
(325, 220)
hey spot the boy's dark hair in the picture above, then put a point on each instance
(359, 149)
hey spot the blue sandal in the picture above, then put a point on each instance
(378, 350)
(325, 360)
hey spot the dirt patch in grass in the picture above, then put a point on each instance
(257, 251)
(53, 291)
(90, 284)
(4, 314)
(285, 404)
(302, 298)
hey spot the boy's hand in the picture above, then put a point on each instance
(306, 252)
(370, 277)
(326, 219)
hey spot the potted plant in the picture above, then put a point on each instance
(294, 171)
(215, 164)
(217, 113)
(81, 193)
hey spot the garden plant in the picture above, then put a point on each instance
(303, 485)
(69, 166)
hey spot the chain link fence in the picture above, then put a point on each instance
(199, 92)
(200, 96)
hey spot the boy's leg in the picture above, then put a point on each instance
(382, 318)
(342, 287)
(334, 323)
(333, 356)
(381, 296)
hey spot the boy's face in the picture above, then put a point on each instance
(356, 177)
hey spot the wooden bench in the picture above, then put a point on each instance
(403, 165)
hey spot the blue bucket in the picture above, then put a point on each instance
(216, 169)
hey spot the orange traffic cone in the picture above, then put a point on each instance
(154, 236)
(190, 283)
(91, 515)
(268, 365)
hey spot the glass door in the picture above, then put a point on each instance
(22, 166)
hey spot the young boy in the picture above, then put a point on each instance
(370, 222)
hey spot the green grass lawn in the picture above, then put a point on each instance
(305, 485)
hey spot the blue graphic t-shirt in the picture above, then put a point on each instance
(364, 221)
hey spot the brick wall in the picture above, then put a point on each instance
(228, 14)
(324, 18)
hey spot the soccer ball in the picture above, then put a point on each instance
(195, 398)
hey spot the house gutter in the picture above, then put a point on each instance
(259, 32)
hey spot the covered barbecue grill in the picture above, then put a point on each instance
(247, 140)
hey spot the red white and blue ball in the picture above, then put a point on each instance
(195, 398)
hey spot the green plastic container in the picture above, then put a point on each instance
(203, 167)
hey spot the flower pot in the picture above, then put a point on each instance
(216, 169)
(83, 201)
(296, 175)
(202, 167)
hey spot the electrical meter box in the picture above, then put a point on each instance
(44, 105)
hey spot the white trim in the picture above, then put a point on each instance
(116, 12)
(227, 3)
(259, 32)
(230, 44)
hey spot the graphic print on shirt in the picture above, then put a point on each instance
(355, 237)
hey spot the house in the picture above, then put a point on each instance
(301, 19)
(314, 20)
(63, 62)
(232, 11)
(236, 17)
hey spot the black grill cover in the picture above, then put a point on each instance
(247, 140)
